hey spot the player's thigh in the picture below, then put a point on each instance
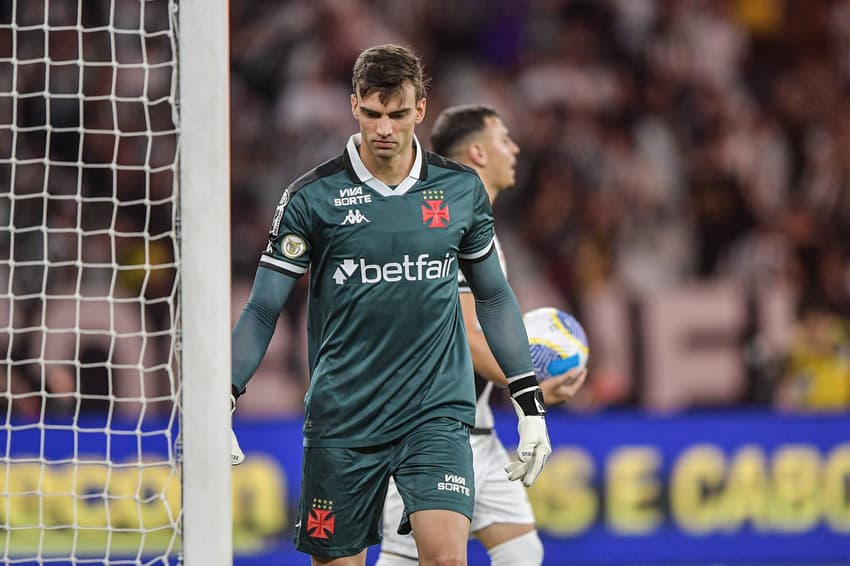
(441, 536)
(402, 545)
(498, 501)
(433, 469)
(342, 495)
(356, 560)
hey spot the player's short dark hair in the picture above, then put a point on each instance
(386, 68)
(455, 124)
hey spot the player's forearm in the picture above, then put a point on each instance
(499, 316)
(501, 321)
(254, 329)
(249, 340)
(483, 362)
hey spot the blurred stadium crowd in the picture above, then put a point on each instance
(683, 182)
(684, 179)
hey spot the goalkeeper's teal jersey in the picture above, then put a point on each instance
(387, 347)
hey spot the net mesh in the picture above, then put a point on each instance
(88, 282)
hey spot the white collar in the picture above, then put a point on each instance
(379, 186)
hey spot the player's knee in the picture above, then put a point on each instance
(386, 559)
(448, 560)
(526, 549)
(443, 558)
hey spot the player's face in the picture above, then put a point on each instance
(501, 153)
(387, 129)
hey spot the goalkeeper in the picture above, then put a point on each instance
(383, 229)
(502, 519)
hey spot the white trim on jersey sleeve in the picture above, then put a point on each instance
(477, 255)
(463, 284)
(294, 267)
(520, 376)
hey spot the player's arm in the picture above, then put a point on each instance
(555, 390)
(251, 336)
(501, 321)
(254, 329)
(498, 313)
(285, 259)
(483, 361)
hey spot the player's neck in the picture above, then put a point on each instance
(391, 171)
(492, 193)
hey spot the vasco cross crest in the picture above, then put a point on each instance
(434, 213)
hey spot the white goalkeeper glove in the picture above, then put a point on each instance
(236, 454)
(534, 447)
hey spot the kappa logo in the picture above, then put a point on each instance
(354, 217)
(278, 214)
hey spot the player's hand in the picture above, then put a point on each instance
(533, 450)
(556, 390)
(236, 454)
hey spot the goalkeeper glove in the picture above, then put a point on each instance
(534, 447)
(236, 454)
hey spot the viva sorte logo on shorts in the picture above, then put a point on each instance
(418, 268)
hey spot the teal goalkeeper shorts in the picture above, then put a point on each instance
(343, 489)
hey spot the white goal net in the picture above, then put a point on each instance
(91, 210)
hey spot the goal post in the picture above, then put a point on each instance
(114, 282)
(205, 259)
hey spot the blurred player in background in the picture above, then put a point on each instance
(502, 518)
(383, 229)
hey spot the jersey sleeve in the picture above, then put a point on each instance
(462, 283)
(499, 316)
(288, 250)
(478, 240)
(253, 330)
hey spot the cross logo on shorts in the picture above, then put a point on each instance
(320, 523)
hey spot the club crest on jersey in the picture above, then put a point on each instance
(320, 520)
(434, 213)
(278, 214)
(292, 246)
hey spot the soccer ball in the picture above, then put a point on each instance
(557, 340)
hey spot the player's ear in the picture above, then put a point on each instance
(354, 105)
(420, 110)
(476, 154)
